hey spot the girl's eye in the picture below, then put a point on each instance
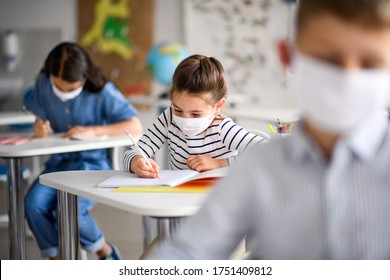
(196, 115)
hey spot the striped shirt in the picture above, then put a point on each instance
(295, 204)
(223, 139)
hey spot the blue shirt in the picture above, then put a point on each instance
(87, 109)
(295, 204)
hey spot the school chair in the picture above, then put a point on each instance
(261, 133)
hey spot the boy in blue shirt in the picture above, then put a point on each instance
(323, 192)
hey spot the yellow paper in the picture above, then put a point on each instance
(162, 189)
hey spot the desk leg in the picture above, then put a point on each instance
(17, 228)
(150, 230)
(68, 229)
(166, 227)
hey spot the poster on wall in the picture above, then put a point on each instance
(118, 35)
(243, 35)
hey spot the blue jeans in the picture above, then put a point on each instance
(42, 217)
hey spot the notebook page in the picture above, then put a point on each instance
(167, 178)
(215, 173)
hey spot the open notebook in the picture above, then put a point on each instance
(168, 178)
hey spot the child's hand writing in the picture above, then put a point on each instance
(204, 163)
(142, 169)
(42, 128)
(80, 131)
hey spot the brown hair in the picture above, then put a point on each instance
(72, 63)
(198, 74)
(370, 13)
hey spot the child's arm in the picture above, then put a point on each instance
(133, 125)
(236, 138)
(118, 114)
(204, 163)
(150, 143)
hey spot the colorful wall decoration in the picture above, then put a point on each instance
(118, 34)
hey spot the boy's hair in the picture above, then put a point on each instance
(198, 74)
(71, 63)
(370, 13)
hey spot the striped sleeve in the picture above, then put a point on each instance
(236, 138)
(152, 140)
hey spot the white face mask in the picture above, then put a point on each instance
(336, 100)
(65, 96)
(193, 126)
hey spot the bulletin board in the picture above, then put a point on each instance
(244, 38)
(118, 35)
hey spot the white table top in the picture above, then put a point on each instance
(55, 144)
(267, 114)
(8, 118)
(83, 183)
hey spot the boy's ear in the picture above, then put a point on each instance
(285, 52)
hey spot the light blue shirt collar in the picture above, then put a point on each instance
(363, 141)
(367, 138)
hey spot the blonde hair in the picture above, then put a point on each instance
(370, 13)
(198, 74)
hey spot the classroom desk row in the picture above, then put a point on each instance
(168, 208)
(14, 154)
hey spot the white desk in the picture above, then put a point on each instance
(37, 147)
(7, 118)
(168, 208)
(266, 114)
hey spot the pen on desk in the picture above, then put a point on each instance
(140, 151)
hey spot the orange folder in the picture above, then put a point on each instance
(195, 186)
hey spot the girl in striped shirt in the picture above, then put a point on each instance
(197, 135)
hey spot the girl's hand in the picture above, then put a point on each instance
(81, 131)
(204, 163)
(142, 169)
(42, 128)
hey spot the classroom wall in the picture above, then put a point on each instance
(41, 24)
(40, 14)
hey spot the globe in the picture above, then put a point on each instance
(163, 59)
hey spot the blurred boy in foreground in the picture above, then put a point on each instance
(323, 192)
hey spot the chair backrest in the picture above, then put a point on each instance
(116, 155)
